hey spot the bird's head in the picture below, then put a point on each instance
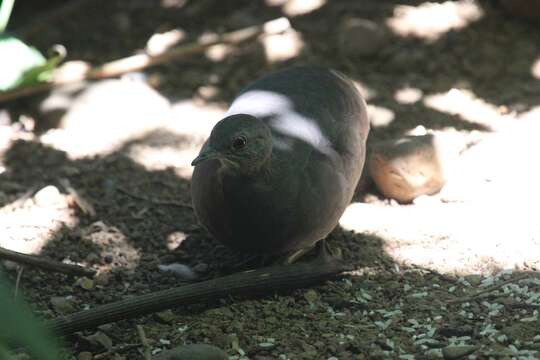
(241, 142)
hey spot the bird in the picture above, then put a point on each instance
(278, 171)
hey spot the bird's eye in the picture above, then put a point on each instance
(239, 143)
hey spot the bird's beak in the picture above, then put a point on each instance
(207, 153)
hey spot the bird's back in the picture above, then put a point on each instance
(312, 106)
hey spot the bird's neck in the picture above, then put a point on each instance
(263, 172)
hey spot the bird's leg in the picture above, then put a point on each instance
(323, 250)
(323, 253)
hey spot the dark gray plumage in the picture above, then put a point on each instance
(278, 171)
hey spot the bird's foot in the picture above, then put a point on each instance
(324, 252)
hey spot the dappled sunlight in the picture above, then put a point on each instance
(282, 47)
(176, 143)
(6, 134)
(502, 167)
(163, 157)
(175, 240)
(484, 218)
(408, 95)
(193, 121)
(175, 4)
(535, 69)
(469, 107)
(451, 238)
(301, 7)
(430, 20)
(28, 224)
(105, 116)
(161, 42)
(380, 116)
(112, 243)
(219, 52)
(280, 41)
(113, 113)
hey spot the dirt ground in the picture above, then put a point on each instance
(453, 275)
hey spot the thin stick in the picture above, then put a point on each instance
(265, 281)
(18, 282)
(44, 264)
(147, 351)
(142, 61)
(155, 201)
(81, 202)
(491, 288)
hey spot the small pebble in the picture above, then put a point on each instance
(406, 168)
(457, 352)
(311, 296)
(181, 271)
(165, 317)
(434, 354)
(85, 283)
(474, 279)
(100, 341)
(85, 355)
(62, 305)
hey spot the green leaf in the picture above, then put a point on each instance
(20, 327)
(21, 64)
(41, 73)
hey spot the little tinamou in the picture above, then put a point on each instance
(279, 170)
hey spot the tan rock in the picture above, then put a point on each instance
(411, 166)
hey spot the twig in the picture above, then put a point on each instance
(155, 201)
(18, 282)
(45, 264)
(142, 61)
(265, 281)
(147, 350)
(490, 289)
(81, 202)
